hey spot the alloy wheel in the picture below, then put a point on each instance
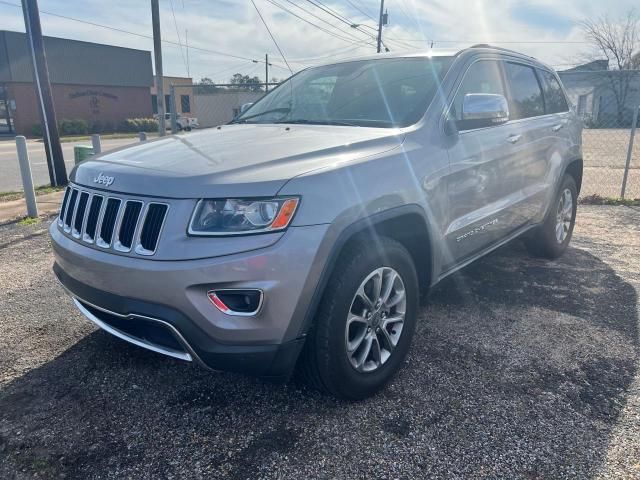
(375, 319)
(564, 215)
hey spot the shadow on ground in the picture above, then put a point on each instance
(519, 368)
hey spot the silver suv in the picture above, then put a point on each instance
(304, 232)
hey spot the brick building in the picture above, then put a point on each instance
(100, 84)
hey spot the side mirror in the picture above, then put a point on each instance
(244, 107)
(483, 110)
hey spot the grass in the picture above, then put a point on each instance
(41, 190)
(103, 136)
(29, 221)
(598, 200)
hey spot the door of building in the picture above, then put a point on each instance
(5, 112)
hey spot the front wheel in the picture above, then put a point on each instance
(365, 322)
(552, 238)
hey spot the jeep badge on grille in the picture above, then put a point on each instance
(104, 179)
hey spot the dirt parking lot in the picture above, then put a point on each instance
(520, 368)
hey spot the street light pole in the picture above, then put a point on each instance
(157, 55)
(380, 21)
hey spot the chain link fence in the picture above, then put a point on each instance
(608, 102)
(210, 105)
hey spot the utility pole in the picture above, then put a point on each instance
(157, 55)
(55, 159)
(186, 44)
(266, 72)
(380, 21)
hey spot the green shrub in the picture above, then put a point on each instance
(101, 127)
(76, 126)
(36, 130)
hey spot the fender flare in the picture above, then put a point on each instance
(358, 227)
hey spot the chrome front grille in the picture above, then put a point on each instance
(111, 222)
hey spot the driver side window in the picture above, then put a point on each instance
(483, 76)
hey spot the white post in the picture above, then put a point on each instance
(142, 136)
(172, 109)
(97, 146)
(25, 173)
(629, 152)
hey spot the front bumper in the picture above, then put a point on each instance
(121, 292)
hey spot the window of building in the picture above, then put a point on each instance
(554, 99)
(167, 103)
(582, 104)
(185, 103)
(154, 103)
(525, 100)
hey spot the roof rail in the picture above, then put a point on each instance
(502, 49)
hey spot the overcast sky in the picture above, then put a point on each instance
(233, 27)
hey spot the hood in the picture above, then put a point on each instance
(234, 160)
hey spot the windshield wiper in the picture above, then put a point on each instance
(303, 121)
(272, 110)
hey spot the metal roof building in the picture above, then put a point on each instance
(93, 82)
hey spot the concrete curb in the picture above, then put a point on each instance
(15, 209)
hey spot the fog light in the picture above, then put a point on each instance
(237, 301)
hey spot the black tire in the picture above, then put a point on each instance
(188, 129)
(325, 363)
(543, 242)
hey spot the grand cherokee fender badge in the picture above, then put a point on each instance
(476, 230)
(103, 179)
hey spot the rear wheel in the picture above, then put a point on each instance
(551, 239)
(365, 322)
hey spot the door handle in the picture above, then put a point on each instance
(557, 128)
(514, 138)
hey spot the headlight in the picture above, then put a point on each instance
(241, 216)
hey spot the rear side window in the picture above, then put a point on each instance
(482, 77)
(554, 99)
(525, 100)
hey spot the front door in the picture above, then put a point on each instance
(5, 112)
(484, 171)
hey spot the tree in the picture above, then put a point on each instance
(206, 86)
(619, 42)
(245, 81)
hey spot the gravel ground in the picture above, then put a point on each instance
(520, 368)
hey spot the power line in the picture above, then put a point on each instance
(324, 57)
(346, 20)
(361, 11)
(141, 35)
(349, 40)
(332, 25)
(175, 23)
(271, 35)
(338, 16)
(229, 69)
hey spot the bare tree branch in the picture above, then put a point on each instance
(618, 41)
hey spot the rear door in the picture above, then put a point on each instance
(530, 164)
(557, 131)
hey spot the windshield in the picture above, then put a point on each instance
(392, 92)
